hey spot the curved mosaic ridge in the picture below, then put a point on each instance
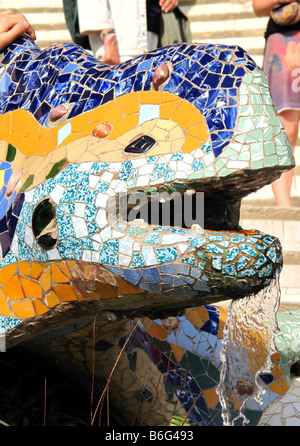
(75, 132)
(171, 367)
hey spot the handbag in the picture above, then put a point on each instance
(286, 14)
(174, 28)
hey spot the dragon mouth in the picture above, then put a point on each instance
(219, 203)
(218, 259)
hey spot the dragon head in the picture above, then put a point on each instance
(171, 126)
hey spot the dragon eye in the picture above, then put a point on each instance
(141, 145)
(44, 224)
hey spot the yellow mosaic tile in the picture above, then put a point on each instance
(150, 97)
(167, 110)
(113, 115)
(127, 287)
(277, 388)
(127, 123)
(80, 124)
(6, 123)
(186, 115)
(199, 131)
(129, 103)
(190, 144)
(197, 316)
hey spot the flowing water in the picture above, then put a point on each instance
(248, 343)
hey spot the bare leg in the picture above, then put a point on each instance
(282, 187)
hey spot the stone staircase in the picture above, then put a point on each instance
(213, 21)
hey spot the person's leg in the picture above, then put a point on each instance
(282, 186)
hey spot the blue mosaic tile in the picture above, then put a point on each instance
(229, 269)
(166, 254)
(131, 275)
(232, 254)
(107, 256)
(241, 262)
(246, 249)
(137, 261)
(214, 248)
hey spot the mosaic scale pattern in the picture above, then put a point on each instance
(75, 134)
(171, 368)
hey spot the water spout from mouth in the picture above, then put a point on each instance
(248, 343)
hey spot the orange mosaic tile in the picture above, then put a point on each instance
(7, 273)
(150, 97)
(211, 397)
(39, 307)
(23, 310)
(177, 351)
(36, 270)
(13, 290)
(64, 293)
(45, 279)
(51, 299)
(128, 288)
(31, 288)
(57, 275)
(4, 309)
(129, 103)
(105, 290)
(157, 331)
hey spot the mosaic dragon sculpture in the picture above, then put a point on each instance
(76, 134)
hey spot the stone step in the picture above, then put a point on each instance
(266, 192)
(284, 224)
(232, 22)
(46, 16)
(281, 222)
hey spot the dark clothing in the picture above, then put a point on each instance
(273, 28)
(153, 16)
(71, 16)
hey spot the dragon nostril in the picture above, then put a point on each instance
(44, 224)
(140, 145)
(160, 75)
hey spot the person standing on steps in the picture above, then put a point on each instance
(282, 67)
(119, 30)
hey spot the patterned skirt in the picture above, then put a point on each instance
(282, 67)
